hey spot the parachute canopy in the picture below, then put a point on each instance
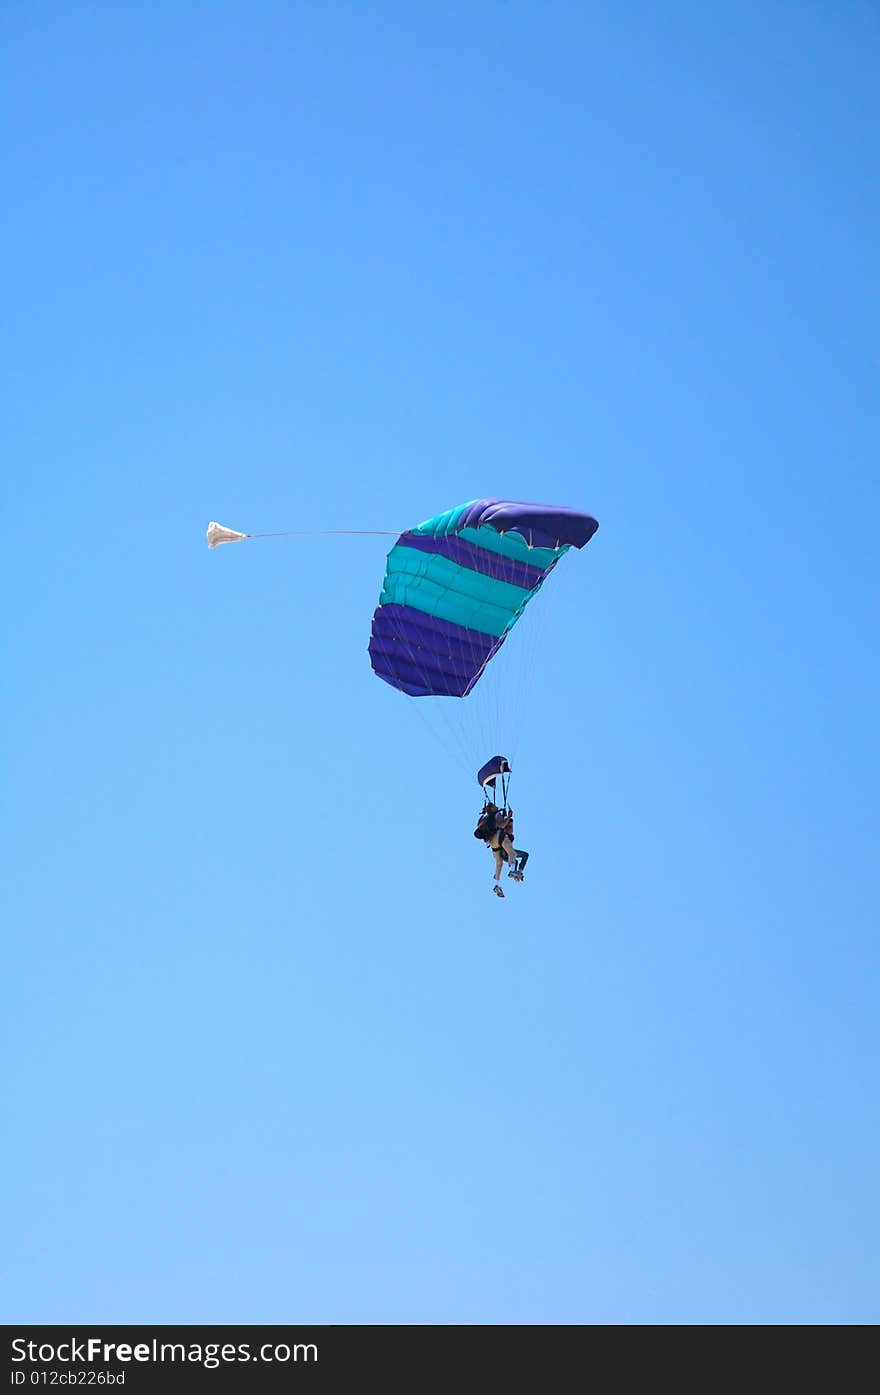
(457, 584)
(218, 534)
(488, 773)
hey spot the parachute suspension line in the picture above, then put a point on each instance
(443, 738)
(529, 658)
(470, 729)
(498, 678)
(442, 726)
(509, 669)
(486, 702)
(524, 658)
(442, 730)
(453, 733)
(493, 675)
(504, 678)
(494, 680)
(521, 660)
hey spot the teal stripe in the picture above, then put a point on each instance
(431, 600)
(443, 523)
(440, 587)
(427, 597)
(506, 545)
(512, 545)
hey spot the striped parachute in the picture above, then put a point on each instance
(456, 585)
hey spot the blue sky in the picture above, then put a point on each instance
(273, 1050)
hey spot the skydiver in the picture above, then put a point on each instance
(487, 829)
(501, 844)
(516, 857)
(486, 822)
(520, 856)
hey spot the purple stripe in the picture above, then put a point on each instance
(444, 636)
(478, 559)
(388, 650)
(425, 656)
(542, 525)
(418, 682)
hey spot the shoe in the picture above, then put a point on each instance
(497, 889)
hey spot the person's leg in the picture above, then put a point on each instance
(499, 863)
(518, 860)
